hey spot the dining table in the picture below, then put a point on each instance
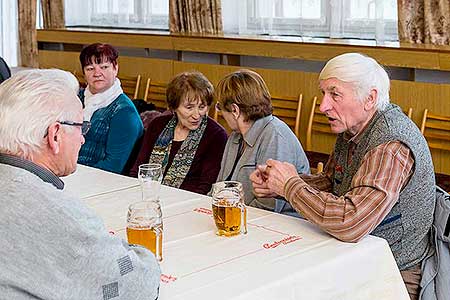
(280, 257)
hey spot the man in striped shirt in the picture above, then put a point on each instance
(379, 179)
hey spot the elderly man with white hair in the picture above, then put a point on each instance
(378, 180)
(52, 245)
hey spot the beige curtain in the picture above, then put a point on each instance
(424, 21)
(27, 33)
(53, 13)
(195, 16)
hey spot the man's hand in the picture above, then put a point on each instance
(269, 180)
(277, 174)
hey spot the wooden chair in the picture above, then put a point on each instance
(409, 112)
(80, 78)
(317, 124)
(288, 109)
(436, 129)
(130, 85)
(155, 92)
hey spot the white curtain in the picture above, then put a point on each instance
(8, 32)
(118, 13)
(360, 19)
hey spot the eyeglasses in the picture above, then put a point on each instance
(85, 126)
(218, 106)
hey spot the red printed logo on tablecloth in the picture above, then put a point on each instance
(285, 241)
(203, 210)
(167, 278)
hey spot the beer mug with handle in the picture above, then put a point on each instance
(145, 226)
(229, 211)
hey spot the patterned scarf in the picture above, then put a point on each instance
(183, 158)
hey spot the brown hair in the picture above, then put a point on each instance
(191, 85)
(99, 52)
(248, 91)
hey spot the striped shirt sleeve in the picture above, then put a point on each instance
(374, 190)
(322, 181)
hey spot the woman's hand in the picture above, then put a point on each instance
(259, 182)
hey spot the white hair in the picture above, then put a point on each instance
(30, 101)
(70, 78)
(363, 72)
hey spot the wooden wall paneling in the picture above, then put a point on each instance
(159, 69)
(68, 61)
(156, 69)
(213, 72)
(110, 36)
(420, 96)
(288, 83)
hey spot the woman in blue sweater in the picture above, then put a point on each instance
(115, 122)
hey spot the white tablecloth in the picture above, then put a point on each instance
(87, 182)
(280, 258)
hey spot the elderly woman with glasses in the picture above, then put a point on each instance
(184, 140)
(115, 122)
(245, 104)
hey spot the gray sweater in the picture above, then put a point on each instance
(54, 247)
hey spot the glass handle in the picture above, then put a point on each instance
(243, 218)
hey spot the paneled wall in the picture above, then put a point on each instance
(406, 94)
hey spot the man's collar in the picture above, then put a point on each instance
(44, 174)
(357, 137)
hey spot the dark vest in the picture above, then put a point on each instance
(407, 225)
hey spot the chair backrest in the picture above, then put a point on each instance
(5, 72)
(130, 85)
(317, 123)
(80, 77)
(409, 112)
(288, 109)
(436, 130)
(155, 92)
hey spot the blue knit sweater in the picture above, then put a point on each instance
(114, 131)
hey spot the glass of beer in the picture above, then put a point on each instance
(229, 211)
(145, 227)
(150, 177)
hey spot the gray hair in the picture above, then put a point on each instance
(363, 72)
(30, 101)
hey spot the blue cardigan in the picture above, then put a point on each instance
(114, 131)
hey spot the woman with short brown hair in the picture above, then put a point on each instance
(245, 103)
(184, 140)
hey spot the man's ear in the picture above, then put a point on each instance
(54, 137)
(371, 100)
(235, 110)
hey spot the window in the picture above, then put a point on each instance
(146, 14)
(366, 19)
(9, 39)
